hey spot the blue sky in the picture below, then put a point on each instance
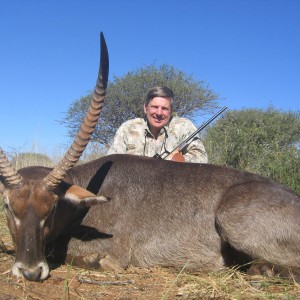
(247, 51)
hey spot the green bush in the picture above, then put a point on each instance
(265, 142)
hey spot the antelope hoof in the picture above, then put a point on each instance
(110, 264)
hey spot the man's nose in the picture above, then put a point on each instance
(159, 111)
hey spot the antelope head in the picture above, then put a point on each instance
(31, 194)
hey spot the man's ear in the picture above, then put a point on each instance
(145, 109)
(80, 196)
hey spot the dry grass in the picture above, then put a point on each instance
(232, 284)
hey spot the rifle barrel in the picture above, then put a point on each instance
(183, 144)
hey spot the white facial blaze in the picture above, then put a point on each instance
(42, 223)
(6, 201)
(17, 221)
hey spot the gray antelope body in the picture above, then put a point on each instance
(171, 214)
(122, 209)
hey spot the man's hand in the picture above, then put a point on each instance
(176, 156)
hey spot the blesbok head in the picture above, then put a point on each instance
(32, 194)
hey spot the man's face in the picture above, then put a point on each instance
(158, 112)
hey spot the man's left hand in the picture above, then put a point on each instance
(176, 156)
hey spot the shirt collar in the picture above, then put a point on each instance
(163, 130)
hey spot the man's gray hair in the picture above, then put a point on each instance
(159, 91)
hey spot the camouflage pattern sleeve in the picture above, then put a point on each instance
(195, 151)
(119, 145)
(129, 138)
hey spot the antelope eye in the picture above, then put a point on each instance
(5, 202)
(53, 207)
(52, 211)
(6, 207)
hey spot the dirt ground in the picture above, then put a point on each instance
(69, 283)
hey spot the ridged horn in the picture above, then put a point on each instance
(53, 179)
(11, 176)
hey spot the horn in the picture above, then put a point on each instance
(11, 176)
(71, 157)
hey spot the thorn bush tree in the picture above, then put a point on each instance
(126, 94)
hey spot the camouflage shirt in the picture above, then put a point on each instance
(134, 137)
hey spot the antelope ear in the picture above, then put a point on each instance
(80, 196)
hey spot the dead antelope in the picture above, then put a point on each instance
(123, 210)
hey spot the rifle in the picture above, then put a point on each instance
(190, 137)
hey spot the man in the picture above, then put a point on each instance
(160, 132)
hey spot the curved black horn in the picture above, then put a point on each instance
(87, 127)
